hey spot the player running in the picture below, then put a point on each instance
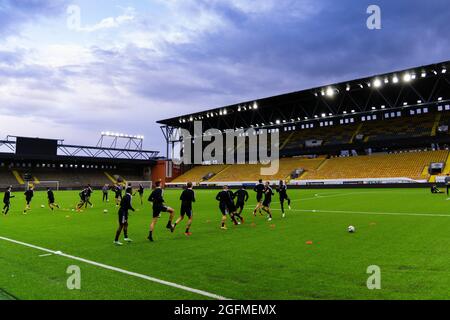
(7, 200)
(259, 189)
(89, 193)
(29, 194)
(83, 195)
(51, 199)
(241, 197)
(125, 206)
(282, 190)
(268, 193)
(117, 194)
(226, 206)
(187, 198)
(156, 197)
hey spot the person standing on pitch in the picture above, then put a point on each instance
(105, 191)
(156, 197)
(282, 190)
(259, 189)
(141, 193)
(29, 194)
(187, 198)
(89, 192)
(118, 194)
(125, 206)
(7, 200)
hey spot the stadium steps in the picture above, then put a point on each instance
(36, 180)
(18, 177)
(432, 179)
(110, 177)
(286, 141)
(447, 166)
(436, 124)
(425, 171)
(358, 130)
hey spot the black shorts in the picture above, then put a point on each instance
(259, 198)
(240, 205)
(28, 201)
(224, 210)
(51, 201)
(6, 203)
(123, 217)
(157, 209)
(266, 204)
(186, 211)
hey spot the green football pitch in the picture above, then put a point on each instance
(307, 255)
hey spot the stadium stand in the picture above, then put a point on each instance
(6, 178)
(406, 165)
(198, 173)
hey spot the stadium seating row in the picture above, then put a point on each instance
(412, 165)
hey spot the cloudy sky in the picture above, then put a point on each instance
(125, 64)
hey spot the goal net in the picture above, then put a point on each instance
(43, 185)
(135, 184)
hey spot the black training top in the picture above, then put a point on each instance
(268, 194)
(241, 195)
(7, 196)
(187, 197)
(282, 191)
(225, 197)
(50, 195)
(125, 203)
(259, 189)
(29, 194)
(157, 196)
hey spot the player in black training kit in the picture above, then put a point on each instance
(259, 189)
(268, 193)
(29, 194)
(156, 197)
(83, 195)
(226, 206)
(7, 200)
(282, 190)
(89, 192)
(241, 197)
(118, 194)
(141, 193)
(187, 198)
(51, 199)
(125, 205)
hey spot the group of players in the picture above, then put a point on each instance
(231, 204)
(29, 194)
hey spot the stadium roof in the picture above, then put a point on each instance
(423, 85)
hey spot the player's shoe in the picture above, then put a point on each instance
(283, 215)
(224, 228)
(150, 238)
(128, 240)
(117, 243)
(188, 234)
(290, 208)
(270, 219)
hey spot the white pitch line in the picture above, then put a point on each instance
(372, 213)
(134, 274)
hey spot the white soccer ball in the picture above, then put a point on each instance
(351, 229)
(105, 211)
(42, 206)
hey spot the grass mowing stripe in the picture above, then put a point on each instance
(134, 274)
(373, 213)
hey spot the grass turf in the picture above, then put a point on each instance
(403, 231)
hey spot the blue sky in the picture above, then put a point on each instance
(133, 62)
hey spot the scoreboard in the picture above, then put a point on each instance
(36, 147)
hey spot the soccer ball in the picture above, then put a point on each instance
(105, 211)
(351, 229)
(42, 206)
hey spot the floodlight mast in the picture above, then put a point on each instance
(127, 141)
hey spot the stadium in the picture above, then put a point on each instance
(365, 163)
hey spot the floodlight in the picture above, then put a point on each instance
(377, 83)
